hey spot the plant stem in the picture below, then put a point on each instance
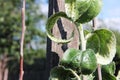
(83, 42)
(99, 72)
(78, 78)
(22, 40)
(82, 38)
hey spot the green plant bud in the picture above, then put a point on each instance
(71, 59)
(88, 62)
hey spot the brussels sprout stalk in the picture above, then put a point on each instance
(82, 38)
(83, 41)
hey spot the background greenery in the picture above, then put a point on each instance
(10, 33)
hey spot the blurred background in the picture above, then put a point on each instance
(35, 37)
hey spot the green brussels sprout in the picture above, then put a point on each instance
(88, 62)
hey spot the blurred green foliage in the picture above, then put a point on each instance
(10, 30)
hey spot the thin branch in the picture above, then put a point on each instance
(22, 40)
(99, 72)
(94, 23)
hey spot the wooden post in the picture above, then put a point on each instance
(62, 29)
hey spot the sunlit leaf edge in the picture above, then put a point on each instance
(50, 24)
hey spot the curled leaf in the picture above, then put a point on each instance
(50, 24)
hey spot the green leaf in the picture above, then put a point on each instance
(71, 58)
(105, 75)
(93, 10)
(93, 42)
(103, 42)
(50, 24)
(88, 62)
(110, 68)
(60, 73)
(82, 62)
(118, 51)
(75, 8)
(82, 11)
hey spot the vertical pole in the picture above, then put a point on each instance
(49, 44)
(22, 40)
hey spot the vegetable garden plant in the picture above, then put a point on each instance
(98, 47)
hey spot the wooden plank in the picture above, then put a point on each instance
(63, 29)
